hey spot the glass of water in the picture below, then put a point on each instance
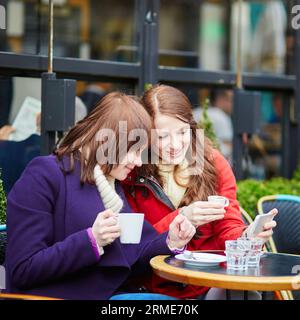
(237, 255)
(254, 247)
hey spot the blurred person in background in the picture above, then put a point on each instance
(15, 155)
(93, 93)
(219, 112)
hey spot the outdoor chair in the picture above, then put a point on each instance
(246, 216)
(286, 237)
(279, 295)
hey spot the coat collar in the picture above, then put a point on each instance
(151, 184)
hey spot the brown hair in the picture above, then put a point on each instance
(81, 141)
(172, 102)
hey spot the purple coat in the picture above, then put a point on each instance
(49, 252)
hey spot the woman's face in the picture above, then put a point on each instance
(173, 138)
(132, 159)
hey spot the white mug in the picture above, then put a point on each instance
(219, 199)
(131, 225)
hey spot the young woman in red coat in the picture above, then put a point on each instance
(188, 170)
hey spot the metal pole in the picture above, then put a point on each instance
(149, 43)
(228, 33)
(239, 80)
(238, 139)
(50, 38)
(238, 143)
(295, 117)
(285, 136)
(38, 35)
(47, 137)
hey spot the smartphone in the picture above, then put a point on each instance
(259, 222)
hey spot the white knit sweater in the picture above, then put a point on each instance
(106, 189)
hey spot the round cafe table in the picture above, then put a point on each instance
(276, 271)
(12, 296)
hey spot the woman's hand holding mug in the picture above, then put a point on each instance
(203, 212)
(106, 228)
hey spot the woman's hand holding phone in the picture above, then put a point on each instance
(263, 226)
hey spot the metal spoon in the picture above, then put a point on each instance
(188, 254)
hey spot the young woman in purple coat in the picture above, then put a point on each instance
(63, 232)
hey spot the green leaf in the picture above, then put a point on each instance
(148, 86)
(206, 124)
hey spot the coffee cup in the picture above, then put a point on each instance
(131, 225)
(219, 199)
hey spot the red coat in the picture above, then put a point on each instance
(145, 195)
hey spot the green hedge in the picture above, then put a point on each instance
(2, 203)
(250, 191)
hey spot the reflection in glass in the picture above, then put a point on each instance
(87, 29)
(264, 25)
(207, 31)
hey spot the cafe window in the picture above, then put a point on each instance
(203, 34)
(86, 29)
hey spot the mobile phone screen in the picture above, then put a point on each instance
(259, 223)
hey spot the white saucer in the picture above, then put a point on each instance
(201, 259)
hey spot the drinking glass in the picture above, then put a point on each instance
(254, 250)
(237, 255)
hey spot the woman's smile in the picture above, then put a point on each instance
(175, 153)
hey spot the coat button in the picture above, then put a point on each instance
(142, 179)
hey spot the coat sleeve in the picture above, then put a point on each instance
(163, 224)
(32, 257)
(232, 226)
(153, 244)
